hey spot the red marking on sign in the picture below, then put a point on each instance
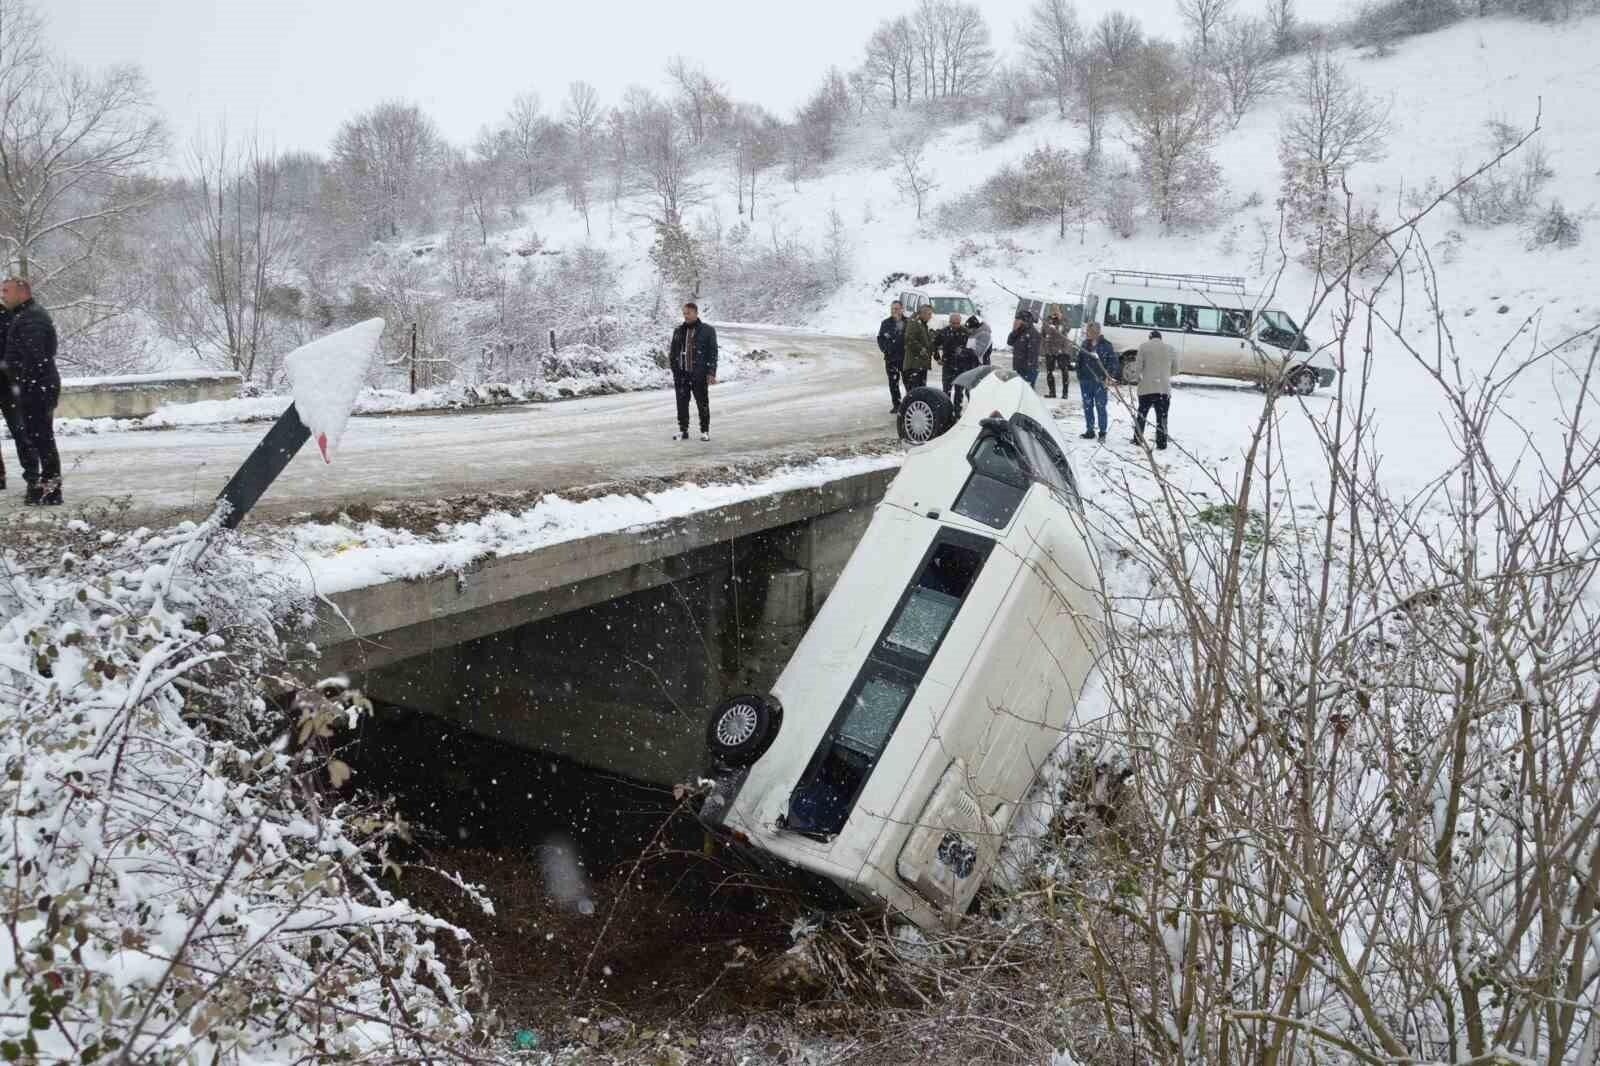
(322, 442)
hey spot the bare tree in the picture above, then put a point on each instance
(1247, 66)
(583, 119)
(238, 243)
(72, 145)
(661, 166)
(820, 119)
(890, 58)
(836, 246)
(702, 102)
(1113, 46)
(1056, 42)
(954, 47)
(1172, 123)
(1334, 126)
(1205, 19)
(385, 160)
(1010, 90)
(1284, 26)
(533, 140)
(1094, 92)
(912, 176)
(476, 184)
(1059, 178)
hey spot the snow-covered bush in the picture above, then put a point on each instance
(181, 887)
(1509, 190)
(1555, 227)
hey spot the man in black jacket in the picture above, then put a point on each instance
(693, 359)
(892, 343)
(1025, 343)
(951, 341)
(30, 385)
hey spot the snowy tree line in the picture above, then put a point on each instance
(259, 249)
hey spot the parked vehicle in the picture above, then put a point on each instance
(944, 302)
(892, 753)
(1219, 329)
(1071, 313)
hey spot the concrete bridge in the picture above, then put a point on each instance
(137, 395)
(610, 649)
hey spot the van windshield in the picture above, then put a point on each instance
(1280, 321)
(944, 305)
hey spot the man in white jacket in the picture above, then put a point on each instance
(1155, 364)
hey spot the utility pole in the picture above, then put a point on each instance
(413, 358)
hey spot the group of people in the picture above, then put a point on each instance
(30, 386)
(910, 347)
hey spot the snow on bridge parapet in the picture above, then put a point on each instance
(391, 595)
(138, 395)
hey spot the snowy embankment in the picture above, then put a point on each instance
(328, 558)
(579, 371)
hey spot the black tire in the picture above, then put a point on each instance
(925, 413)
(742, 728)
(1303, 382)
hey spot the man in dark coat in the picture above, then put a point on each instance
(30, 386)
(1024, 342)
(892, 343)
(1098, 366)
(919, 349)
(950, 340)
(693, 359)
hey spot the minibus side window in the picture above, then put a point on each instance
(821, 802)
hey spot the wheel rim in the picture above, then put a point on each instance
(737, 725)
(1305, 383)
(918, 417)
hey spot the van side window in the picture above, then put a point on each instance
(1202, 319)
(822, 800)
(1236, 323)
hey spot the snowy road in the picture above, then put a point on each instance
(838, 398)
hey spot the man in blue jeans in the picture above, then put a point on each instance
(1098, 366)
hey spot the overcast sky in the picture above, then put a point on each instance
(297, 68)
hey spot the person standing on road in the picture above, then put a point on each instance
(892, 343)
(1024, 341)
(1155, 364)
(951, 341)
(1098, 366)
(693, 359)
(30, 386)
(980, 344)
(1057, 355)
(919, 349)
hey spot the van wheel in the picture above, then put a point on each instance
(742, 728)
(925, 413)
(1303, 381)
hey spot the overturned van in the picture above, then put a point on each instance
(895, 748)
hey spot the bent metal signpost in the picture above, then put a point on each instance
(325, 376)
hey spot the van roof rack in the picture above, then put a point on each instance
(1227, 281)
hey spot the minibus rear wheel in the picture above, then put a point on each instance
(742, 728)
(1303, 381)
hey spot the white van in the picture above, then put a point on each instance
(896, 746)
(1218, 328)
(944, 303)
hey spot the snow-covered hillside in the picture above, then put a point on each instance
(1443, 87)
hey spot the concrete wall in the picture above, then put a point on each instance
(626, 679)
(137, 395)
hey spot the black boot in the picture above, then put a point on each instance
(1086, 435)
(35, 494)
(50, 492)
